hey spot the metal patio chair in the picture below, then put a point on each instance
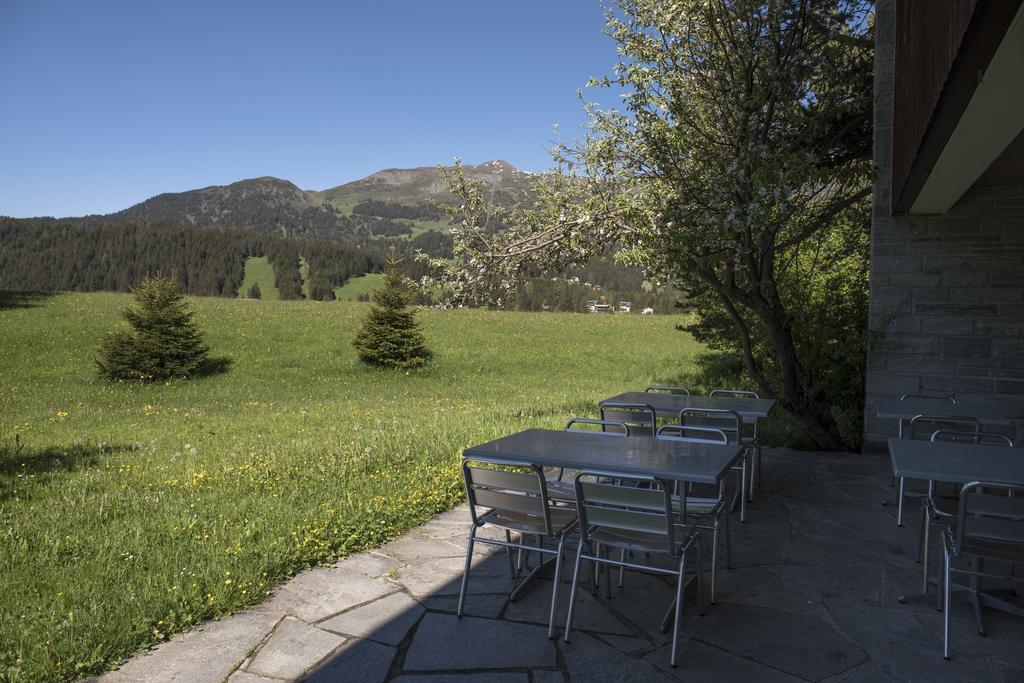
(515, 501)
(941, 510)
(641, 417)
(939, 400)
(943, 400)
(564, 491)
(708, 509)
(933, 423)
(749, 439)
(989, 526)
(730, 423)
(683, 391)
(640, 520)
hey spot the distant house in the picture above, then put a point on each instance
(625, 306)
(591, 305)
(647, 311)
(603, 308)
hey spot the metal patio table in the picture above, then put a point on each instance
(909, 408)
(668, 405)
(677, 461)
(957, 463)
(750, 410)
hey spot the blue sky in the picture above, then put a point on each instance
(103, 104)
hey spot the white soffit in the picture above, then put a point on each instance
(991, 121)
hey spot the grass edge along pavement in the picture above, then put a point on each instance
(130, 512)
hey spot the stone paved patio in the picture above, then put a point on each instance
(812, 596)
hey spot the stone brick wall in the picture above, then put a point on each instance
(947, 291)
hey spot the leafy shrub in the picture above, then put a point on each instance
(164, 342)
(254, 291)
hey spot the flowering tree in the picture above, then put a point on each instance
(738, 171)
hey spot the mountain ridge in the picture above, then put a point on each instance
(389, 203)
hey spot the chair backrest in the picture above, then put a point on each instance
(672, 390)
(727, 421)
(954, 422)
(693, 434)
(990, 512)
(522, 490)
(971, 437)
(734, 393)
(625, 507)
(933, 397)
(640, 416)
(609, 427)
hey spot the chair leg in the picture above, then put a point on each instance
(743, 488)
(714, 558)
(728, 540)
(680, 588)
(753, 474)
(926, 525)
(607, 575)
(947, 617)
(700, 575)
(899, 504)
(596, 568)
(554, 590)
(465, 571)
(511, 555)
(572, 590)
(920, 534)
(622, 569)
(976, 565)
(760, 466)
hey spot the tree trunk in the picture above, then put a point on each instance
(799, 397)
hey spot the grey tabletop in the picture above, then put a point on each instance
(669, 405)
(895, 409)
(580, 450)
(956, 462)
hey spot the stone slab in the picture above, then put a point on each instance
(590, 614)
(444, 642)
(494, 677)
(294, 648)
(373, 565)
(357, 661)
(802, 645)
(588, 659)
(245, 677)
(320, 593)
(489, 606)
(706, 663)
(442, 576)
(386, 620)
(209, 653)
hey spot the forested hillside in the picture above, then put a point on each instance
(80, 255)
(203, 237)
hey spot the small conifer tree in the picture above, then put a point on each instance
(163, 341)
(254, 291)
(390, 336)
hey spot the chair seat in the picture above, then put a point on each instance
(698, 506)
(562, 518)
(640, 541)
(561, 490)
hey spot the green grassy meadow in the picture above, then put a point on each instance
(259, 271)
(357, 286)
(129, 512)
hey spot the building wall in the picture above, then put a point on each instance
(947, 291)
